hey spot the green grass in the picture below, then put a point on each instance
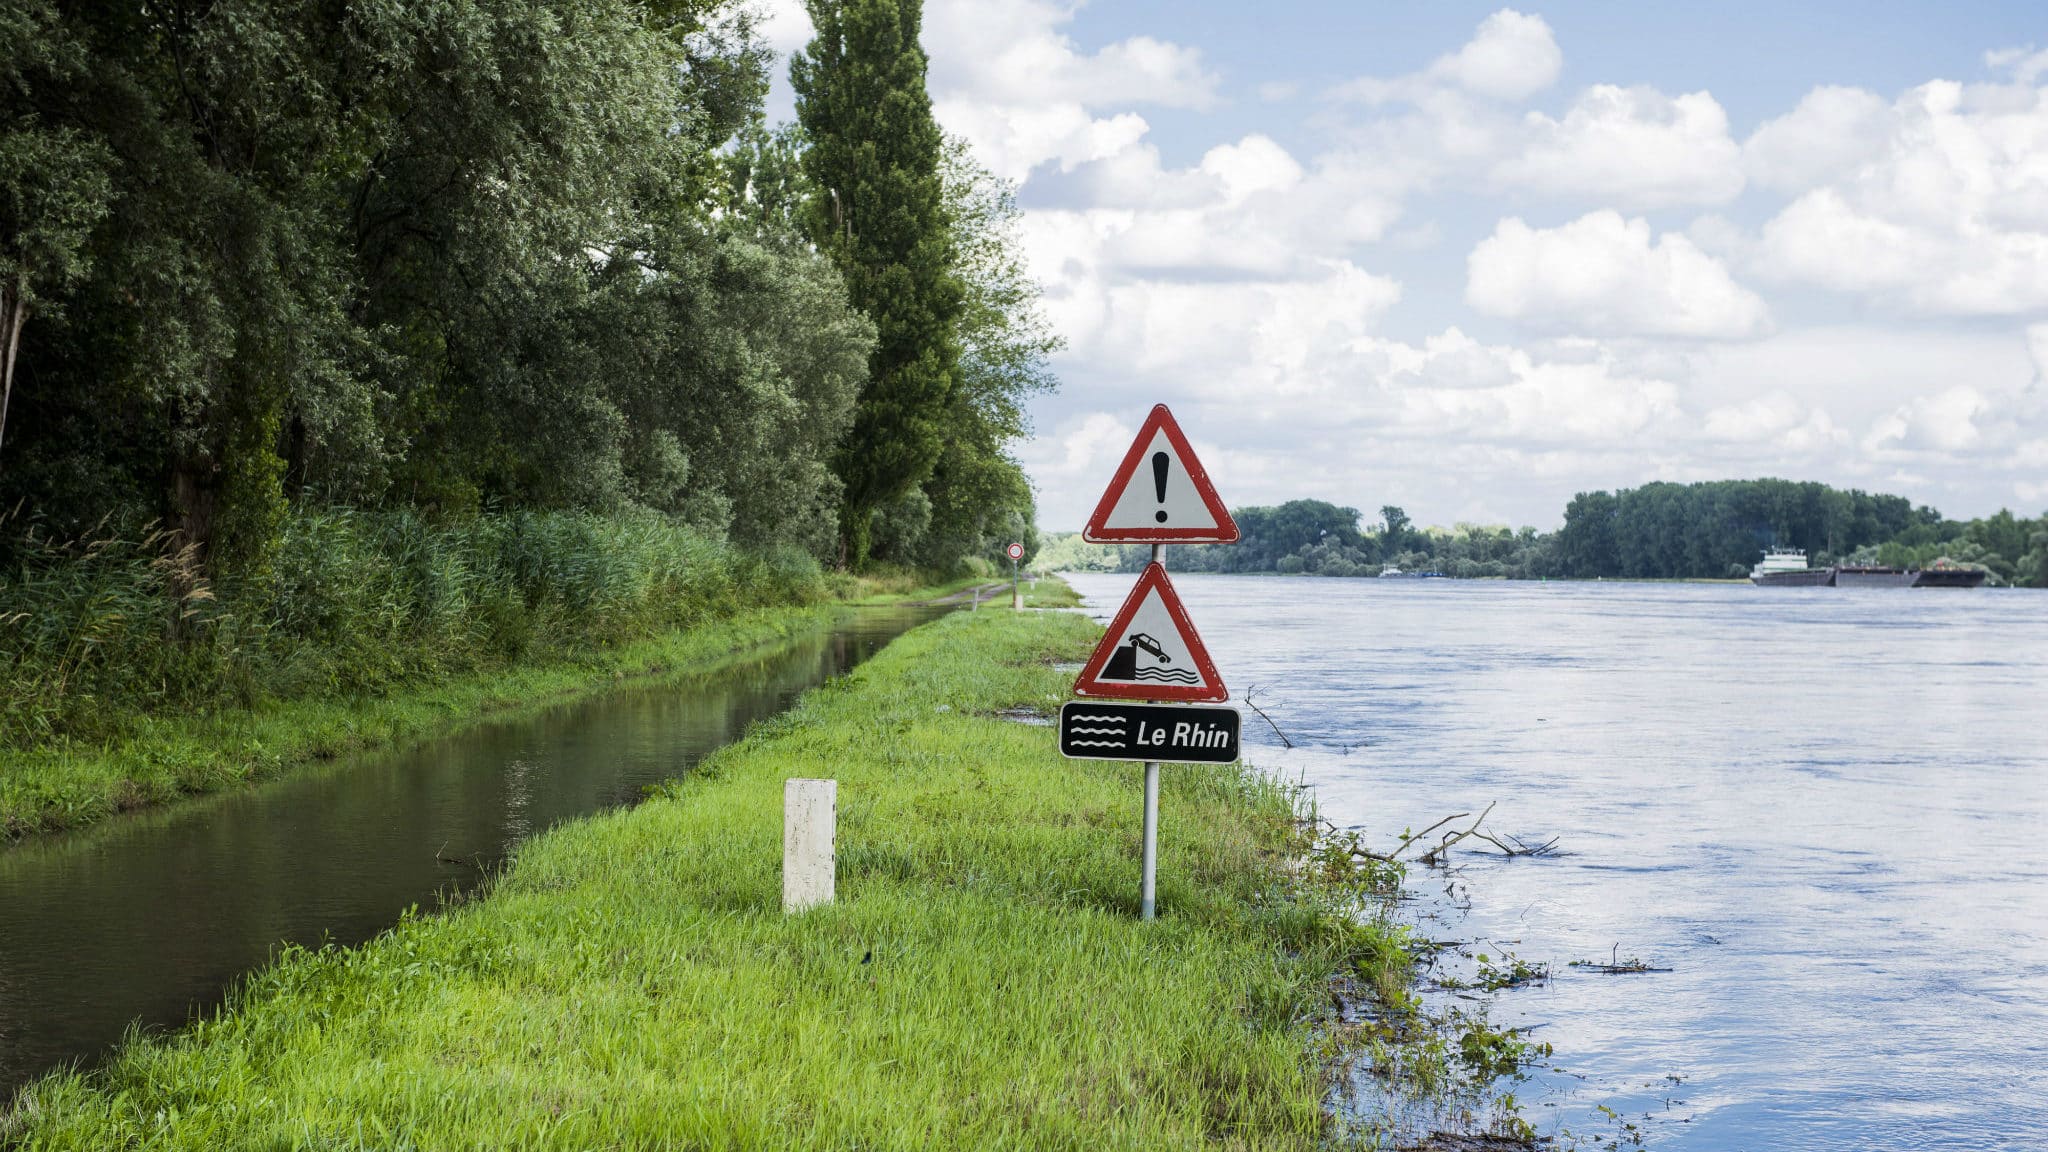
(982, 981)
(1050, 592)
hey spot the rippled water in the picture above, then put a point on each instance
(149, 918)
(1825, 809)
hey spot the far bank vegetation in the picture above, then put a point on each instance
(1705, 531)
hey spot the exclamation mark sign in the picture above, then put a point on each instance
(1160, 463)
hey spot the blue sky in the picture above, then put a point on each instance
(1471, 259)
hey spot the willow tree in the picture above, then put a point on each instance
(878, 207)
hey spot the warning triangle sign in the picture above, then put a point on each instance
(1160, 493)
(1151, 651)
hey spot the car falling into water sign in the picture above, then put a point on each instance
(1151, 651)
(1160, 494)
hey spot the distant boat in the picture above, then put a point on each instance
(1390, 572)
(1871, 576)
(1945, 575)
(1787, 568)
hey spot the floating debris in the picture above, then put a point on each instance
(1616, 966)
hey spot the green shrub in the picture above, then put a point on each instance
(96, 632)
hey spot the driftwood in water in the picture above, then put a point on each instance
(1251, 702)
(1436, 855)
(1616, 966)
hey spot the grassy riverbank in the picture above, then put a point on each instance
(982, 981)
(370, 632)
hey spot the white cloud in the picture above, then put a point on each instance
(1253, 164)
(1004, 75)
(1601, 273)
(1775, 420)
(1938, 206)
(1230, 336)
(1944, 422)
(1512, 57)
(782, 24)
(1081, 450)
(1833, 131)
(1629, 146)
(2024, 64)
(1578, 400)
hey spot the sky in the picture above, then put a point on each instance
(1471, 260)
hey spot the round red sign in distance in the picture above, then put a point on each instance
(1016, 551)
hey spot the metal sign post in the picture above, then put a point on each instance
(1149, 868)
(1159, 495)
(1016, 553)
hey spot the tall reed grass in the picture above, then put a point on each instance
(97, 632)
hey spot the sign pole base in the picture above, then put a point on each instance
(1147, 889)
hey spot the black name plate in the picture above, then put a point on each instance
(1177, 734)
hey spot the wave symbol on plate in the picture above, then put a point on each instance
(1170, 675)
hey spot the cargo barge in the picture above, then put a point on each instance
(1787, 568)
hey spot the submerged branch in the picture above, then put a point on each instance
(1251, 702)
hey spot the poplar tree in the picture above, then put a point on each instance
(878, 207)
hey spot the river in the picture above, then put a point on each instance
(149, 918)
(1825, 810)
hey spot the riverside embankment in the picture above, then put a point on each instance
(148, 919)
(982, 981)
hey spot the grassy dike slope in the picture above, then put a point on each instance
(163, 758)
(981, 983)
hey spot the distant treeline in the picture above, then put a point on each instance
(1718, 529)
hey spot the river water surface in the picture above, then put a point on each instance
(147, 919)
(1826, 810)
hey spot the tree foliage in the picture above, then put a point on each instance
(978, 495)
(455, 255)
(877, 204)
(1721, 528)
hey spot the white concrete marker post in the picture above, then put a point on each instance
(810, 818)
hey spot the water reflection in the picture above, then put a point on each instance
(150, 917)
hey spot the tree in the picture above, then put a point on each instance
(1395, 532)
(54, 185)
(978, 495)
(2032, 569)
(455, 255)
(877, 206)
(1585, 545)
